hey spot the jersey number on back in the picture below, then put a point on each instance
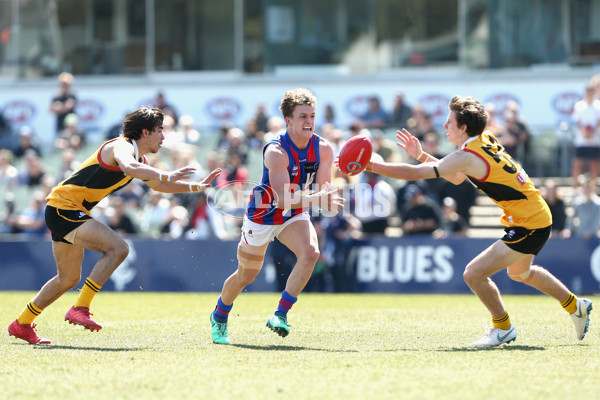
(497, 152)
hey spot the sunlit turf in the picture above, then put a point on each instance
(351, 346)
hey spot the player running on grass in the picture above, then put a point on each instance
(293, 162)
(110, 168)
(527, 219)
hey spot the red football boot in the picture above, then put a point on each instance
(26, 332)
(81, 316)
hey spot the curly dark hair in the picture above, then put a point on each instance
(143, 118)
(296, 97)
(469, 112)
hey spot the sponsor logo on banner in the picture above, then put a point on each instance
(403, 264)
(563, 103)
(435, 105)
(19, 112)
(501, 100)
(224, 108)
(89, 111)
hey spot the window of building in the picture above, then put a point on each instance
(41, 38)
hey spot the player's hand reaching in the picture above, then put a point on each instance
(409, 143)
(181, 173)
(206, 182)
(329, 199)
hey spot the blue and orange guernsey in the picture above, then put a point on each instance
(90, 183)
(508, 185)
(303, 166)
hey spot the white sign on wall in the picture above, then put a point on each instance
(544, 103)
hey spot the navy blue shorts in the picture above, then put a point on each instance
(588, 152)
(61, 222)
(527, 241)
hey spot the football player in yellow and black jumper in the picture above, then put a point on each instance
(109, 169)
(526, 216)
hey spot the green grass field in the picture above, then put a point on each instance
(158, 346)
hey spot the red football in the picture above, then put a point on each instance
(355, 155)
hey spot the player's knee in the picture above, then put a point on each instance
(69, 281)
(247, 276)
(121, 251)
(310, 255)
(469, 275)
(522, 277)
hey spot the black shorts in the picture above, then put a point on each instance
(61, 222)
(587, 152)
(527, 241)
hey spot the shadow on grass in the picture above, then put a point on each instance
(59, 347)
(493, 348)
(288, 348)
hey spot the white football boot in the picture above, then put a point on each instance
(496, 337)
(581, 317)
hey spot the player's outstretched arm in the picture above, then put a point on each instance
(453, 168)
(184, 187)
(123, 152)
(413, 148)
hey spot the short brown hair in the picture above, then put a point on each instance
(296, 97)
(469, 112)
(142, 118)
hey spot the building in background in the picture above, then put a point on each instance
(216, 63)
(41, 38)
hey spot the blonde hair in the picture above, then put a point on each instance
(66, 77)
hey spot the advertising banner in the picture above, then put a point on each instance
(382, 265)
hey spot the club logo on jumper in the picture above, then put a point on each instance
(510, 234)
(18, 112)
(224, 108)
(82, 214)
(294, 170)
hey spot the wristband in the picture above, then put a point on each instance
(194, 187)
(419, 158)
(167, 175)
